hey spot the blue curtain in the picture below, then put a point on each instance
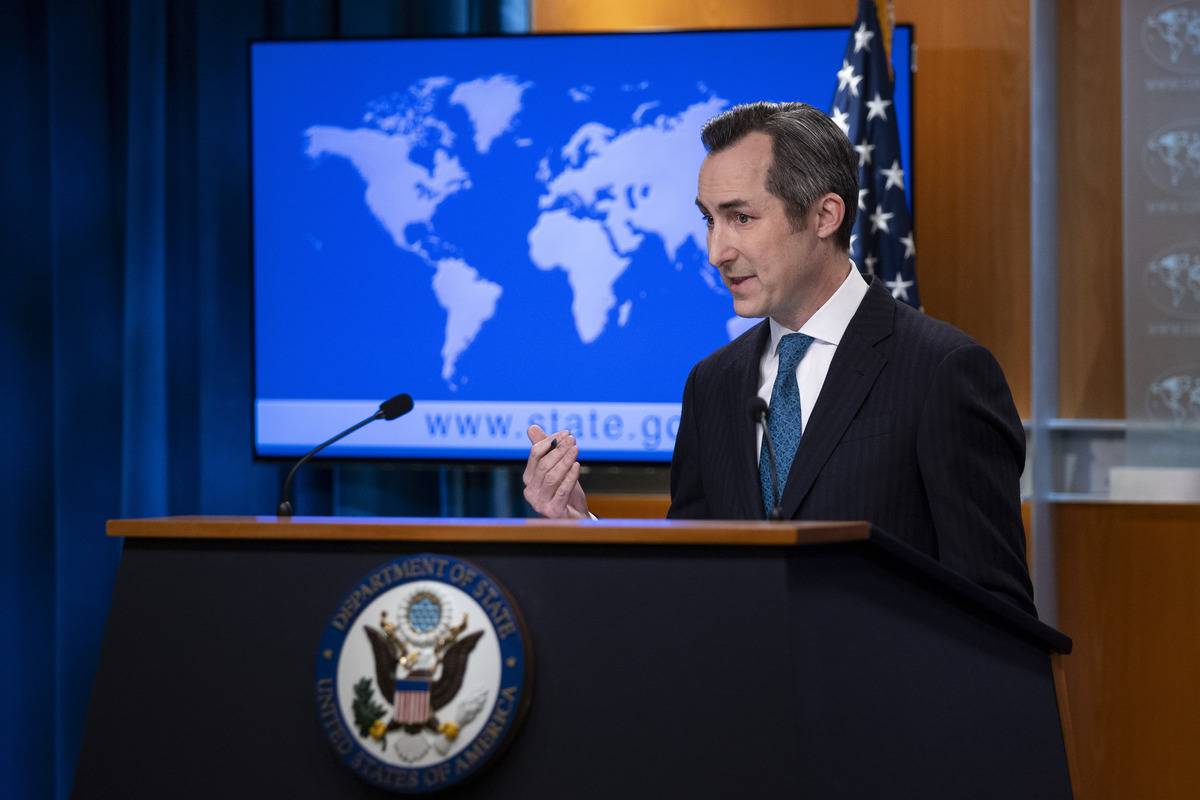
(126, 319)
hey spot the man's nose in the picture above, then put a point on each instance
(720, 249)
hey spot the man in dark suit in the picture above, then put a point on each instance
(877, 411)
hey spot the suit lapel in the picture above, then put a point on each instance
(855, 366)
(744, 385)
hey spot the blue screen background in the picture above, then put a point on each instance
(341, 312)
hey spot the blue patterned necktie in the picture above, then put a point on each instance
(784, 420)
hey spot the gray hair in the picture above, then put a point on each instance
(811, 156)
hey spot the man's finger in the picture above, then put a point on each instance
(558, 462)
(568, 484)
(550, 467)
(535, 434)
(541, 444)
(541, 461)
(560, 500)
(540, 440)
(544, 444)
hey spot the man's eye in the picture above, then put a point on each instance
(742, 219)
(708, 221)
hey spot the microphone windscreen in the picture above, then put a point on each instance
(757, 408)
(396, 406)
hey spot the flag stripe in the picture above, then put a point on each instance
(411, 701)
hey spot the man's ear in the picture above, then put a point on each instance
(830, 211)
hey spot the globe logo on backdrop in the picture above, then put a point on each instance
(1175, 397)
(1171, 36)
(1172, 280)
(1171, 157)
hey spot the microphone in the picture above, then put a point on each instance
(759, 413)
(389, 410)
(392, 408)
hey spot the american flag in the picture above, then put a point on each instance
(412, 701)
(881, 243)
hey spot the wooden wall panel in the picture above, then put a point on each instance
(1091, 291)
(1129, 595)
(629, 506)
(972, 143)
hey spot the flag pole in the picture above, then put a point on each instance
(888, 23)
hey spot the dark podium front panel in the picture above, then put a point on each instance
(851, 669)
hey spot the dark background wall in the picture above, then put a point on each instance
(126, 319)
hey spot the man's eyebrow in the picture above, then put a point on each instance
(728, 205)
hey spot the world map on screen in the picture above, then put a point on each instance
(602, 191)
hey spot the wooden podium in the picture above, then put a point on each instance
(671, 659)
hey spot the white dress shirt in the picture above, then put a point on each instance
(826, 327)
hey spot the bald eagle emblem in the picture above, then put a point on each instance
(420, 661)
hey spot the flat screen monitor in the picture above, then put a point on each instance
(502, 227)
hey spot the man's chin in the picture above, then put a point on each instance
(747, 310)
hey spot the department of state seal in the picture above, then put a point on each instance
(423, 673)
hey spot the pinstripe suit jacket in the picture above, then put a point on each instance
(914, 430)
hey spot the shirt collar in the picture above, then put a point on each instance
(830, 321)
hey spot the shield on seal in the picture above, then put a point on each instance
(411, 705)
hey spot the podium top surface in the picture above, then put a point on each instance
(634, 532)
(501, 531)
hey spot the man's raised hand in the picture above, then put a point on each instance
(552, 476)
